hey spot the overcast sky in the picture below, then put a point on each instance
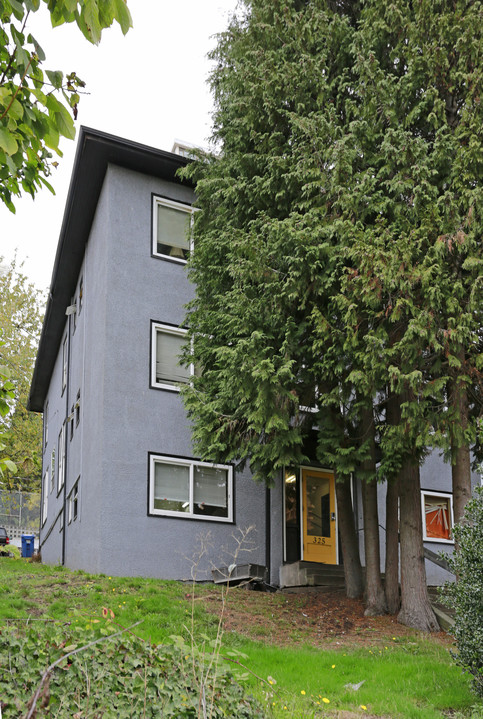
(149, 86)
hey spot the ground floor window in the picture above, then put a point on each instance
(182, 487)
(437, 516)
(45, 497)
(73, 503)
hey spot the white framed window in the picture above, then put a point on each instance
(61, 460)
(45, 497)
(46, 425)
(52, 470)
(64, 364)
(172, 223)
(190, 489)
(81, 295)
(73, 503)
(166, 370)
(77, 409)
(437, 509)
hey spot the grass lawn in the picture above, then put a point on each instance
(408, 675)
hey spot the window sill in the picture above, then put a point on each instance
(167, 258)
(192, 517)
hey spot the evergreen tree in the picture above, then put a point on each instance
(338, 250)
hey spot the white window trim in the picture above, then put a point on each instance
(45, 497)
(163, 202)
(167, 329)
(444, 495)
(61, 460)
(157, 458)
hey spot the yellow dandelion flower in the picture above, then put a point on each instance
(302, 692)
(363, 706)
(333, 666)
(326, 701)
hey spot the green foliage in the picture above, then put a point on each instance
(338, 243)
(37, 106)
(466, 594)
(119, 676)
(21, 313)
(7, 394)
(406, 676)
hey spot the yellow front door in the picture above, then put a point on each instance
(319, 525)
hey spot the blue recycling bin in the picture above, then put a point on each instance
(28, 541)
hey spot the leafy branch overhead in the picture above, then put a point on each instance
(37, 106)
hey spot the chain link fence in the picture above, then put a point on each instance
(20, 513)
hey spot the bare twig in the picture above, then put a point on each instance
(235, 661)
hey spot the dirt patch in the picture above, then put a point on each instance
(316, 616)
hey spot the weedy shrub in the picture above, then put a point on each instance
(90, 668)
(465, 596)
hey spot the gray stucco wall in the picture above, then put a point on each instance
(123, 418)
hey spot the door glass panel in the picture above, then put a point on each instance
(291, 517)
(318, 506)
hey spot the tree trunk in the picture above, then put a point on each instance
(391, 584)
(374, 594)
(393, 599)
(349, 541)
(460, 451)
(416, 610)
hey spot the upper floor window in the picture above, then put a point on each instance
(171, 230)
(61, 459)
(46, 425)
(64, 364)
(166, 346)
(52, 470)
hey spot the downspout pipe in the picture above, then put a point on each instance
(66, 437)
(268, 534)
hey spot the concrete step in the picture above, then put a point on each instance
(311, 574)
